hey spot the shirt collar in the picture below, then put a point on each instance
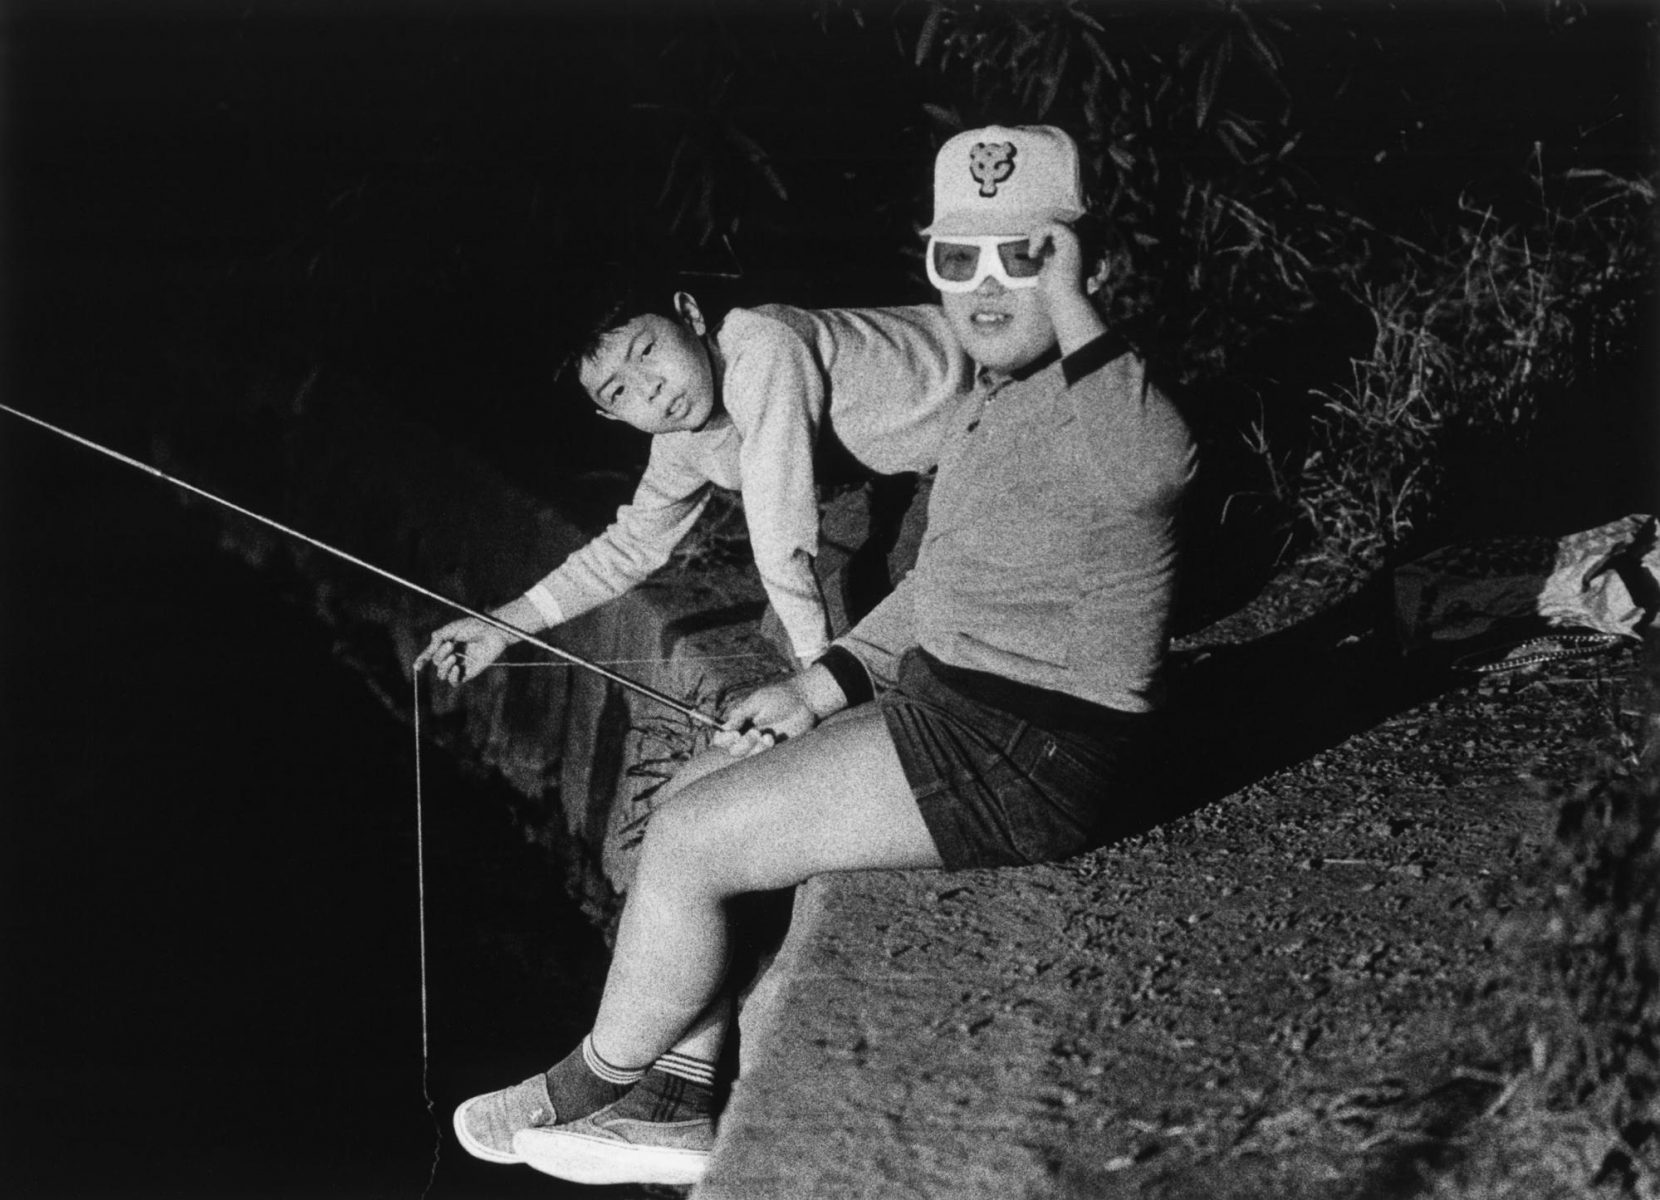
(1000, 379)
(1085, 360)
(1092, 356)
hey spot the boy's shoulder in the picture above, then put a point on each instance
(1124, 412)
(1111, 367)
(745, 329)
(827, 326)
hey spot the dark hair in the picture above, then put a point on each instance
(617, 296)
(1095, 240)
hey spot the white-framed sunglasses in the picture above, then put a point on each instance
(961, 264)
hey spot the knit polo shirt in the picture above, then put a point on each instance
(1050, 553)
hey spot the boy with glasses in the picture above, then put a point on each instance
(987, 713)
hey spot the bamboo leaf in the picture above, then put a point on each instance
(758, 158)
(1210, 78)
(930, 30)
(1055, 71)
(673, 171)
(1267, 57)
(1230, 141)
(945, 118)
(1083, 18)
(1188, 48)
(1237, 135)
(1094, 46)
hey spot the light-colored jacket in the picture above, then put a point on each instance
(886, 382)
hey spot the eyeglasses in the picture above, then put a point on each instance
(961, 264)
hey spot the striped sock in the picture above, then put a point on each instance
(687, 1067)
(677, 1088)
(582, 1082)
(619, 1076)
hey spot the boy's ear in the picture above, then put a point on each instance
(1098, 277)
(686, 307)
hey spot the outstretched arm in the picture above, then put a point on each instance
(463, 648)
(666, 505)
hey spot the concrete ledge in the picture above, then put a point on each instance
(898, 1046)
(1232, 1004)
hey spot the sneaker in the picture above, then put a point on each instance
(486, 1124)
(610, 1147)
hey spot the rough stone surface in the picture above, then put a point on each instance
(1270, 994)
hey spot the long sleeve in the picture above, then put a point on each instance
(666, 504)
(886, 632)
(775, 393)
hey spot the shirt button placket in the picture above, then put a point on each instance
(987, 392)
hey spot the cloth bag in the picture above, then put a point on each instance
(1603, 580)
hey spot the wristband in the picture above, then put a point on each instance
(849, 673)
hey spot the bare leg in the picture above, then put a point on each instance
(704, 762)
(706, 1037)
(834, 800)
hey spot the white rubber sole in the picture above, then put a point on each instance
(583, 1158)
(471, 1144)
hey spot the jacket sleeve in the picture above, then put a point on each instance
(775, 392)
(886, 632)
(667, 503)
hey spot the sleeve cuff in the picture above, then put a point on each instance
(1092, 356)
(543, 602)
(849, 673)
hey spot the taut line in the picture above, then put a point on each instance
(576, 660)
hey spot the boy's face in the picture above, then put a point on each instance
(653, 373)
(1000, 328)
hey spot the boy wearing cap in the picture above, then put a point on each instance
(743, 403)
(985, 714)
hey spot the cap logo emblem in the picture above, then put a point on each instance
(989, 164)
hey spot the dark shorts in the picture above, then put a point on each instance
(1007, 775)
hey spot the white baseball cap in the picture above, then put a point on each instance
(1005, 179)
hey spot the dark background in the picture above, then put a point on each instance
(210, 956)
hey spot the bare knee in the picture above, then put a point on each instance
(704, 763)
(688, 849)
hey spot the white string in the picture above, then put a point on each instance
(421, 873)
(693, 714)
(631, 662)
(421, 897)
